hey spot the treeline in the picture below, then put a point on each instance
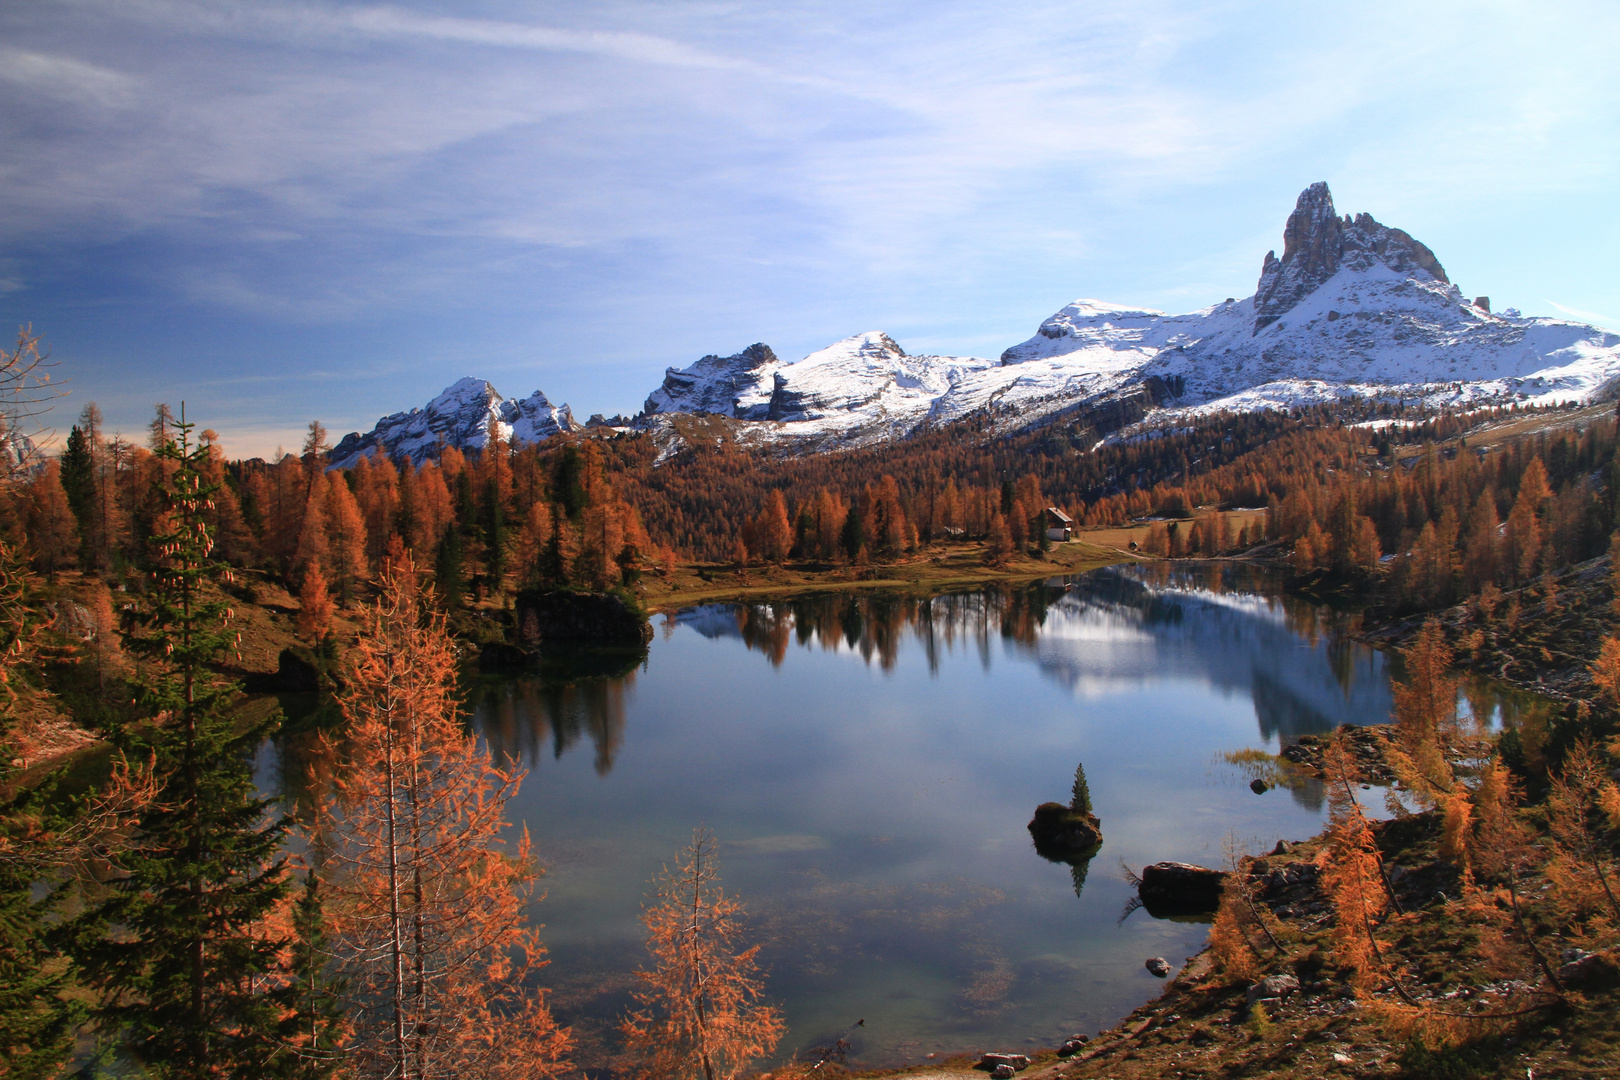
(505, 518)
(590, 512)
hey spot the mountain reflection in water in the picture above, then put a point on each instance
(1102, 631)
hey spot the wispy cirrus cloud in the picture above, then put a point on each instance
(1607, 321)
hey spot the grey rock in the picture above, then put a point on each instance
(1003, 1072)
(1015, 1062)
(1272, 986)
(1159, 966)
(458, 417)
(1317, 242)
(712, 385)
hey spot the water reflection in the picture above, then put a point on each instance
(1226, 624)
(521, 717)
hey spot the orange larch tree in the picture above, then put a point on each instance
(702, 1016)
(426, 901)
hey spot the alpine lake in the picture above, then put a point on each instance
(868, 764)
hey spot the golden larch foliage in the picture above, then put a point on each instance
(314, 606)
(702, 1014)
(427, 902)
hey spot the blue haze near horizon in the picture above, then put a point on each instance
(286, 211)
(869, 764)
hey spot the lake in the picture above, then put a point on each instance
(869, 763)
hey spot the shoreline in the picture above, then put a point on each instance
(952, 567)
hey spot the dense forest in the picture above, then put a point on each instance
(156, 909)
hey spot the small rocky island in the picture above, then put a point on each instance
(1067, 833)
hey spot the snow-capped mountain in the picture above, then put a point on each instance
(1352, 308)
(460, 417)
(860, 390)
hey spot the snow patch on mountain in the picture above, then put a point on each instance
(459, 417)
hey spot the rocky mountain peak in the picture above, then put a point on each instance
(714, 385)
(460, 416)
(1317, 243)
(757, 355)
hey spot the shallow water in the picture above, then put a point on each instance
(869, 763)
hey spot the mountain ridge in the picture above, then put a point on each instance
(1352, 308)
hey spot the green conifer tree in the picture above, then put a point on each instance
(451, 569)
(78, 474)
(36, 1020)
(494, 535)
(178, 953)
(314, 1026)
(1080, 794)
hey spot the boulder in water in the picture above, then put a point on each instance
(1063, 834)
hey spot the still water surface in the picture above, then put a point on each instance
(869, 764)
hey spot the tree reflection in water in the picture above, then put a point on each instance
(580, 694)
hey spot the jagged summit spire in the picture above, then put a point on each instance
(1317, 242)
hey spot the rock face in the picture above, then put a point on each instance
(1316, 244)
(857, 391)
(459, 417)
(1062, 834)
(593, 618)
(1174, 887)
(719, 385)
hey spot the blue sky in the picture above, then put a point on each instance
(287, 211)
